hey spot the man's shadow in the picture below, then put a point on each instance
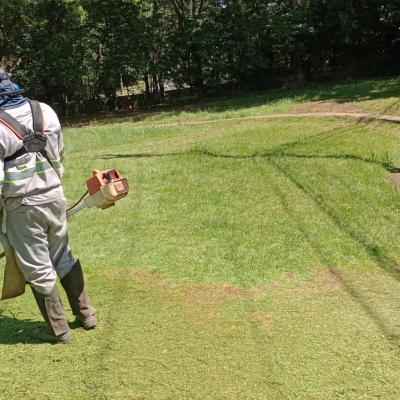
(18, 331)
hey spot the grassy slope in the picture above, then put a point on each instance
(254, 259)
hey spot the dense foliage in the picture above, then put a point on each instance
(79, 51)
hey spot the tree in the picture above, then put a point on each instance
(75, 53)
(42, 44)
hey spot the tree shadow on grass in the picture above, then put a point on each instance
(18, 331)
(389, 330)
(387, 263)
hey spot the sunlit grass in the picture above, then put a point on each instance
(252, 259)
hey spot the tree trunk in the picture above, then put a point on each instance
(297, 68)
(147, 85)
(155, 86)
(352, 60)
(121, 84)
(296, 56)
(96, 76)
(193, 49)
(197, 69)
(162, 89)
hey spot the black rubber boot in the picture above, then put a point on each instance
(57, 329)
(75, 288)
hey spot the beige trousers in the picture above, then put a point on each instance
(40, 239)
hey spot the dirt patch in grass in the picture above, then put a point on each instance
(212, 295)
(263, 319)
(206, 298)
(329, 279)
(395, 178)
(196, 293)
(333, 277)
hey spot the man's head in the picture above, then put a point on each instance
(10, 93)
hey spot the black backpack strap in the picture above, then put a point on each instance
(37, 116)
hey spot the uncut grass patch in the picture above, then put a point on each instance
(251, 260)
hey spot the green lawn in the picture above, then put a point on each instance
(252, 259)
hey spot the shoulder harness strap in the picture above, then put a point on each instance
(34, 141)
(37, 116)
(11, 123)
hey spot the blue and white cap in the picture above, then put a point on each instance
(10, 93)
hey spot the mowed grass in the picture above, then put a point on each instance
(252, 259)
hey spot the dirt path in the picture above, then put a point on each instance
(359, 116)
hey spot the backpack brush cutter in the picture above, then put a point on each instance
(104, 188)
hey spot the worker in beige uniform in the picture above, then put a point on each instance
(34, 212)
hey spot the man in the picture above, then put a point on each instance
(34, 214)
